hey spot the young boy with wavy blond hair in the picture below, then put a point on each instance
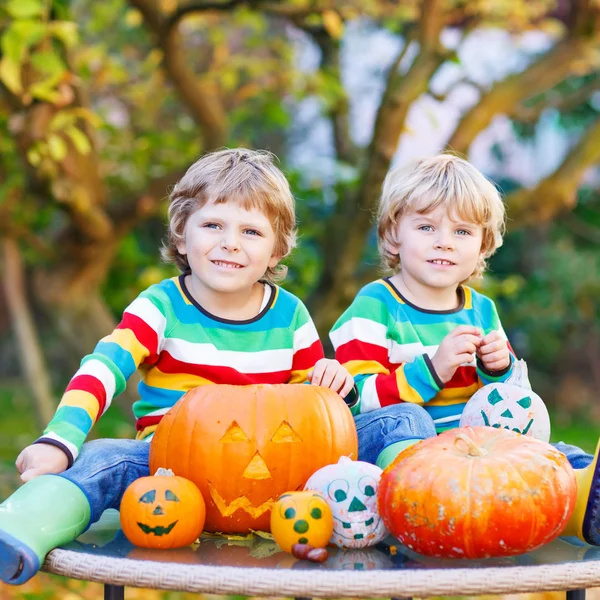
(223, 320)
(420, 343)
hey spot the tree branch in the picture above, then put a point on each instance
(558, 192)
(549, 70)
(28, 344)
(201, 97)
(558, 101)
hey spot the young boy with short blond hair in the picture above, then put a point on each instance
(223, 320)
(420, 343)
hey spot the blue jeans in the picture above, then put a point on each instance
(105, 468)
(380, 428)
(383, 427)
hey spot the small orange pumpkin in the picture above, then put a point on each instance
(244, 446)
(162, 511)
(477, 493)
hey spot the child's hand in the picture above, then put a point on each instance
(457, 348)
(41, 459)
(330, 374)
(493, 352)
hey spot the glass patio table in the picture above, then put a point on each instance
(257, 567)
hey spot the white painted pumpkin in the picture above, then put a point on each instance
(350, 488)
(510, 405)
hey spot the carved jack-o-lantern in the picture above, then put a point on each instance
(244, 446)
(162, 511)
(351, 491)
(301, 518)
(511, 405)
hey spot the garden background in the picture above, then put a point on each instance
(104, 104)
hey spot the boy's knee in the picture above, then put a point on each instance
(106, 450)
(421, 423)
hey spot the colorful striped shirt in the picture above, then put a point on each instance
(387, 344)
(177, 345)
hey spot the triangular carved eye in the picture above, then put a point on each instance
(524, 402)
(494, 397)
(285, 434)
(234, 434)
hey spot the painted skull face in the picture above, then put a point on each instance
(350, 488)
(510, 407)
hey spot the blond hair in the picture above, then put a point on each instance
(442, 180)
(248, 178)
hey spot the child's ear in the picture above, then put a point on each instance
(274, 261)
(181, 247)
(391, 248)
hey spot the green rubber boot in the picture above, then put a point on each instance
(44, 513)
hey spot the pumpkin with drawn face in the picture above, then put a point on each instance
(244, 446)
(350, 488)
(301, 518)
(511, 405)
(162, 511)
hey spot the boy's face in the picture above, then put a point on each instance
(228, 248)
(437, 250)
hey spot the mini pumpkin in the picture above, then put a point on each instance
(477, 493)
(511, 405)
(162, 511)
(350, 488)
(244, 446)
(301, 518)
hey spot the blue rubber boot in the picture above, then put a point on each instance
(585, 521)
(44, 513)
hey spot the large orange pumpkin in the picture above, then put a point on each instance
(244, 446)
(476, 493)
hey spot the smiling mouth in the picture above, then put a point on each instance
(346, 528)
(441, 262)
(225, 264)
(159, 530)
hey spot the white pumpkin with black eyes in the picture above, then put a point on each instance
(511, 405)
(350, 488)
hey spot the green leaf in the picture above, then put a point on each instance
(65, 31)
(10, 75)
(57, 147)
(79, 139)
(19, 37)
(24, 9)
(34, 157)
(62, 119)
(48, 63)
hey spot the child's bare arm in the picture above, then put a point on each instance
(41, 459)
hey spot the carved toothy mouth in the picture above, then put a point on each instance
(242, 503)
(159, 530)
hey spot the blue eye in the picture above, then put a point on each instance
(289, 513)
(463, 232)
(426, 228)
(148, 497)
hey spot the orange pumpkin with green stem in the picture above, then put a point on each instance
(162, 511)
(244, 446)
(476, 493)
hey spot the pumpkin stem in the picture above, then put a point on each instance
(474, 449)
(164, 472)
